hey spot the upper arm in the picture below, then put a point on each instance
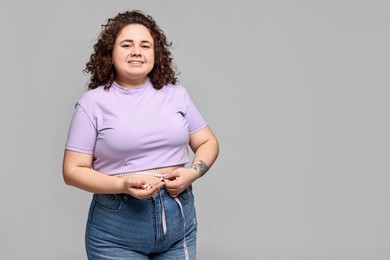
(82, 133)
(74, 159)
(200, 137)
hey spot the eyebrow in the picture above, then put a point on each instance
(128, 40)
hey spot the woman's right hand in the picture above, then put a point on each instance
(140, 189)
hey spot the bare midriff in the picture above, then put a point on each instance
(150, 179)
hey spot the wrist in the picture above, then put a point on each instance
(201, 168)
(195, 173)
(120, 185)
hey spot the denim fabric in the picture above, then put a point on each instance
(123, 227)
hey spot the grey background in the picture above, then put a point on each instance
(297, 93)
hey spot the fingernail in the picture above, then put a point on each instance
(147, 186)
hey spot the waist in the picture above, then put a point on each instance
(153, 173)
(185, 195)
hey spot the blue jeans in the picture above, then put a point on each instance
(159, 228)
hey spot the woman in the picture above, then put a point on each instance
(128, 144)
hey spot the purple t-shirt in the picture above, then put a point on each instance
(134, 129)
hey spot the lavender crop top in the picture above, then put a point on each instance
(134, 129)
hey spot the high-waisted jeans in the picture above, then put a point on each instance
(160, 227)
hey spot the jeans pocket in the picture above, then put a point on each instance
(108, 202)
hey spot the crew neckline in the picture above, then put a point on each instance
(132, 90)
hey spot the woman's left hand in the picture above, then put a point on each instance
(179, 179)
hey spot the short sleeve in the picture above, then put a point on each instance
(194, 118)
(82, 132)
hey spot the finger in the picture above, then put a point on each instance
(146, 190)
(152, 188)
(136, 184)
(170, 175)
(173, 194)
(170, 185)
(158, 185)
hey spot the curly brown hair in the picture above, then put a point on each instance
(100, 63)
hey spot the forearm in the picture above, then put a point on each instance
(205, 156)
(89, 180)
(77, 171)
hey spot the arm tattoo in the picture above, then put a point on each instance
(201, 167)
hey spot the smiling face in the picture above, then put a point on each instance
(133, 55)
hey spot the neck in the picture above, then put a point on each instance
(131, 83)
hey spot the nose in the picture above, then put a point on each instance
(136, 51)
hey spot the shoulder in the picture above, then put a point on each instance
(92, 96)
(177, 90)
(178, 95)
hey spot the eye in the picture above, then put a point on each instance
(145, 46)
(127, 45)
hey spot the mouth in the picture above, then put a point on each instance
(135, 62)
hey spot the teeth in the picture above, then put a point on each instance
(135, 62)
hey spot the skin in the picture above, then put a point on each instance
(133, 57)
